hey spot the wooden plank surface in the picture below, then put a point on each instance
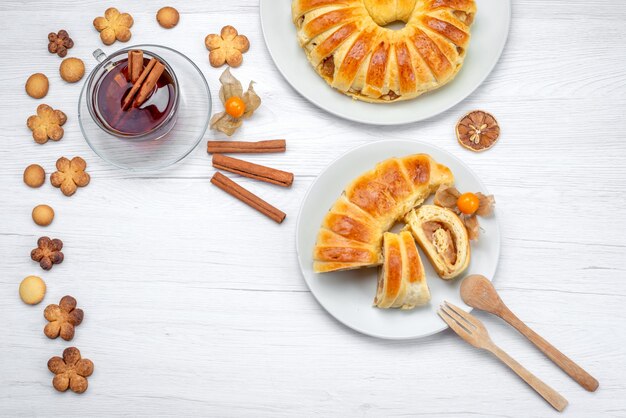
(194, 304)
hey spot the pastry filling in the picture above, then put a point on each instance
(441, 238)
(380, 285)
(390, 96)
(300, 21)
(466, 18)
(327, 67)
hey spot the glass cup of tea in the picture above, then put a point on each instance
(109, 85)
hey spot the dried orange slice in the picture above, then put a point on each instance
(477, 131)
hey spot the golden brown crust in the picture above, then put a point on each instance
(376, 64)
(406, 74)
(333, 41)
(453, 4)
(416, 270)
(402, 282)
(354, 58)
(329, 20)
(393, 267)
(351, 233)
(432, 55)
(456, 35)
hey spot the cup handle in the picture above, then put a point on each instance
(99, 55)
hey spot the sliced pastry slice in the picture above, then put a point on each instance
(401, 282)
(351, 233)
(443, 237)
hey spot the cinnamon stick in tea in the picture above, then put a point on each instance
(147, 88)
(247, 197)
(253, 171)
(133, 91)
(135, 64)
(224, 147)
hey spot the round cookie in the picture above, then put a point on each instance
(34, 175)
(43, 215)
(37, 86)
(167, 17)
(32, 290)
(72, 69)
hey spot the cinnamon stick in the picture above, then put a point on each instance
(247, 197)
(253, 171)
(135, 64)
(148, 85)
(133, 91)
(259, 147)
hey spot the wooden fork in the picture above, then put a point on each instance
(474, 332)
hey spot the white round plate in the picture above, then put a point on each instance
(489, 34)
(348, 295)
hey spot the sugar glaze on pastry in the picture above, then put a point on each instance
(443, 238)
(401, 281)
(349, 46)
(351, 233)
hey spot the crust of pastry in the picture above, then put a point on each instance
(348, 46)
(401, 281)
(351, 233)
(417, 218)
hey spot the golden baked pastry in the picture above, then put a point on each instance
(348, 45)
(443, 238)
(401, 282)
(351, 233)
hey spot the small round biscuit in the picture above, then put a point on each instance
(43, 215)
(37, 86)
(167, 17)
(32, 290)
(34, 176)
(72, 69)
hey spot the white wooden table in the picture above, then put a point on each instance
(194, 304)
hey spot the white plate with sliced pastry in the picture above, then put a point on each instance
(403, 62)
(376, 252)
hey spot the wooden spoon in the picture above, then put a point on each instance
(478, 292)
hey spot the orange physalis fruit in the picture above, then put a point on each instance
(235, 107)
(468, 203)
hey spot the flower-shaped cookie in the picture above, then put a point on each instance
(59, 43)
(62, 318)
(46, 124)
(227, 47)
(467, 205)
(232, 91)
(70, 175)
(71, 371)
(114, 25)
(48, 252)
